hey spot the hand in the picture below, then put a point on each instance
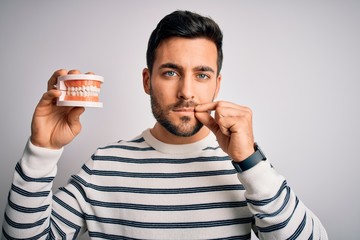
(232, 126)
(53, 126)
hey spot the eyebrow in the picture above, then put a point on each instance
(177, 67)
(170, 65)
(204, 69)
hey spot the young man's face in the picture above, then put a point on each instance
(184, 74)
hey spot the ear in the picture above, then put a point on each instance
(218, 81)
(146, 80)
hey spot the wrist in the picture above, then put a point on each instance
(40, 144)
(244, 155)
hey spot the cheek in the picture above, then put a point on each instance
(206, 94)
(163, 93)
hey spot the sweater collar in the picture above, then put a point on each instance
(209, 140)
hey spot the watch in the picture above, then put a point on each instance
(250, 161)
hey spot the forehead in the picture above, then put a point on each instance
(186, 52)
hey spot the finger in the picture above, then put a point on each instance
(206, 119)
(53, 79)
(90, 73)
(74, 119)
(49, 97)
(231, 112)
(74, 71)
(218, 105)
(206, 107)
(226, 124)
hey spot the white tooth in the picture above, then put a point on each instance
(72, 89)
(68, 93)
(81, 94)
(87, 88)
(83, 88)
(73, 93)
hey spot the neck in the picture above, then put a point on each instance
(163, 135)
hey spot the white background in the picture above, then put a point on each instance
(295, 63)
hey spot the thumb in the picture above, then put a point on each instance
(206, 119)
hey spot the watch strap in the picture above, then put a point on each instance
(250, 161)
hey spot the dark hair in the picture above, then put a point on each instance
(187, 25)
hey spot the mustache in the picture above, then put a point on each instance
(184, 104)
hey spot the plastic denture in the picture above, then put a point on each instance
(79, 90)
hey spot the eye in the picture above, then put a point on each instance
(203, 76)
(170, 74)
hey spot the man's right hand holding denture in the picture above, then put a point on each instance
(53, 126)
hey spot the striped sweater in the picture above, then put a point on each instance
(146, 189)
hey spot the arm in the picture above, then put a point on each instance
(279, 214)
(30, 210)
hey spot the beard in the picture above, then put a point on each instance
(161, 114)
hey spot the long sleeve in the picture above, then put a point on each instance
(279, 214)
(30, 213)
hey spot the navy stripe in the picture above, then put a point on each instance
(19, 170)
(27, 209)
(139, 140)
(159, 160)
(51, 235)
(233, 187)
(163, 225)
(67, 192)
(211, 148)
(24, 225)
(269, 200)
(130, 148)
(67, 207)
(68, 223)
(242, 237)
(116, 237)
(279, 225)
(299, 229)
(158, 175)
(286, 201)
(312, 229)
(29, 194)
(45, 232)
(58, 229)
(144, 207)
(110, 236)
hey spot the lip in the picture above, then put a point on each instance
(184, 110)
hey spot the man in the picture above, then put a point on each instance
(176, 180)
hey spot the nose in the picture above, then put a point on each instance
(185, 90)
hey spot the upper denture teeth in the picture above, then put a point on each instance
(88, 90)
